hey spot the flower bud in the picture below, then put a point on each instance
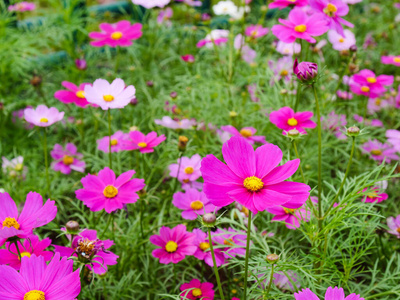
(36, 80)
(72, 227)
(173, 95)
(209, 220)
(150, 83)
(353, 131)
(293, 133)
(353, 48)
(273, 259)
(80, 64)
(182, 142)
(305, 71)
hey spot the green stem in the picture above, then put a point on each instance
(297, 155)
(82, 127)
(117, 59)
(46, 162)
(109, 134)
(270, 282)
(221, 293)
(19, 253)
(298, 92)
(246, 261)
(108, 225)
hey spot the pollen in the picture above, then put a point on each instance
(34, 295)
(108, 98)
(142, 145)
(116, 35)
(114, 142)
(11, 222)
(254, 32)
(371, 79)
(330, 9)
(398, 230)
(68, 160)
(189, 170)
(171, 246)
(300, 28)
(80, 94)
(284, 73)
(396, 59)
(86, 247)
(44, 120)
(253, 184)
(110, 191)
(204, 246)
(196, 205)
(288, 210)
(376, 152)
(292, 122)
(196, 292)
(245, 133)
(25, 254)
(365, 89)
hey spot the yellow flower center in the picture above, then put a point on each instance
(341, 40)
(254, 32)
(114, 142)
(171, 246)
(330, 9)
(300, 28)
(186, 180)
(288, 210)
(253, 183)
(68, 160)
(108, 98)
(376, 152)
(378, 101)
(292, 122)
(116, 35)
(245, 211)
(245, 133)
(80, 94)
(196, 205)
(25, 254)
(398, 230)
(11, 222)
(189, 170)
(142, 145)
(365, 89)
(110, 191)
(284, 72)
(44, 120)
(18, 167)
(371, 79)
(396, 59)
(34, 295)
(229, 242)
(196, 292)
(204, 246)
(372, 195)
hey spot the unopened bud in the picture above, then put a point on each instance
(36, 80)
(150, 83)
(353, 131)
(209, 219)
(72, 227)
(353, 48)
(272, 259)
(182, 142)
(173, 95)
(293, 133)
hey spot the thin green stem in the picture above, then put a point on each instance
(271, 278)
(109, 134)
(221, 293)
(246, 261)
(298, 92)
(108, 225)
(46, 162)
(19, 252)
(297, 155)
(117, 59)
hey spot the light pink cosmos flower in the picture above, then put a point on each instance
(281, 281)
(247, 54)
(233, 242)
(151, 3)
(197, 290)
(109, 95)
(203, 252)
(193, 203)
(37, 280)
(352, 1)
(394, 226)
(377, 104)
(189, 58)
(15, 167)
(74, 94)
(367, 122)
(67, 159)
(216, 36)
(256, 31)
(332, 11)
(175, 244)
(247, 133)
(300, 26)
(368, 84)
(281, 4)
(344, 95)
(374, 195)
(22, 6)
(164, 16)
(30, 246)
(117, 142)
(105, 191)
(100, 257)
(282, 68)
(175, 124)
(43, 116)
(286, 119)
(288, 48)
(33, 215)
(391, 60)
(135, 140)
(379, 151)
(341, 42)
(252, 178)
(393, 136)
(252, 89)
(335, 123)
(187, 169)
(331, 294)
(118, 34)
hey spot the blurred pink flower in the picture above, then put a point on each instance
(164, 16)
(285, 3)
(335, 123)
(394, 226)
(186, 169)
(43, 116)
(22, 6)
(341, 42)
(73, 94)
(367, 122)
(216, 36)
(151, 3)
(393, 136)
(189, 58)
(256, 31)
(368, 84)
(391, 60)
(67, 159)
(379, 151)
(180, 124)
(288, 48)
(117, 141)
(374, 195)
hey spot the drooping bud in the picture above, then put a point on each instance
(72, 227)
(182, 142)
(273, 259)
(305, 71)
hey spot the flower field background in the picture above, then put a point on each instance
(160, 149)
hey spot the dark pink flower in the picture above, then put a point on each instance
(374, 195)
(391, 60)
(281, 4)
(331, 294)
(246, 132)
(379, 151)
(135, 140)
(368, 84)
(197, 290)
(286, 119)
(203, 252)
(305, 71)
(73, 94)
(256, 31)
(67, 159)
(189, 58)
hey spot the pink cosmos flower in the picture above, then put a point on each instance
(33, 215)
(73, 94)
(300, 26)
(118, 34)
(31, 245)
(203, 252)
(197, 290)
(256, 31)
(187, 169)
(176, 124)
(99, 255)
(246, 132)
(22, 6)
(189, 58)
(233, 242)
(135, 140)
(283, 282)
(286, 119)
(109, 95)
(374, 196)
(377, 104)
(174, 244)
(332, 11)
(252, 89)
(288, 48)
(368, 84)
(216, 36)
(107, 192)
(37, 280)
(394, 226)
(282, 68)
(281, 4)
(344, 95)
(43, 116)
(335, 123)
(393, 136)
(81, 64)
(379, 151)
(341, 42)
(391, 60)
(67, 159)
(117, 142)
(252, 178)
(331, 294)
(367, 122)
(247, 54)
(193, 203)
(164, 16)
(15, 167)
(151, 3)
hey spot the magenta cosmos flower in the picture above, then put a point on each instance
(256, 31)
(391, 60)
(135, 140)
(80, 64)
(120, 34)
(333, 11)
(33, 215)
(43, 116)
(73, 94)
(281, 4)
(300, 26)
(187, 169)
(331, 294)
(379, 151)
(105, 191)
(233, 242)
(87, 245)
(246, 132)
(374, 195)
(22, 6)
(189, 58)
(174, 244)
(117, 141)
(252, 178)
(217, 37)
(393, 136)
(67, 159)
(38, 281)
(368, 84)
(394, 225)
(176, 124)
(286, 119)
(109, 95)
(305, 71)
(203, 252)
(193, 203)
(197, 290)
(30, 246)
